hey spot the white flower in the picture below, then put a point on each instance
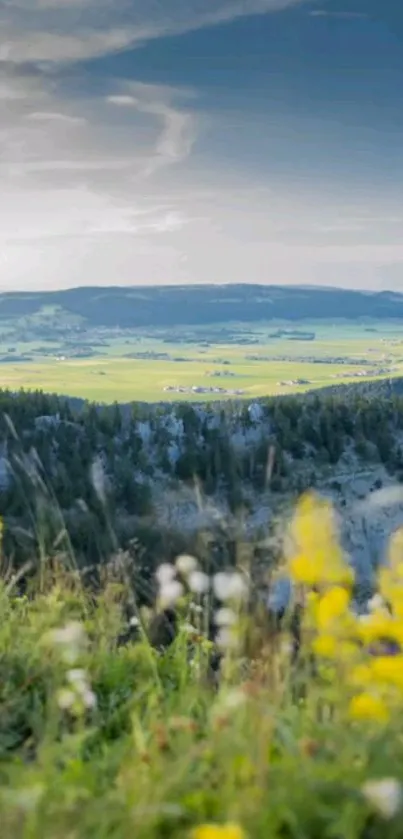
(185, 564)
(170, 592)
(134, 622)
(226, 638)
(385, 796)
(225, 617)
(376, 603)
(231, 700)
(199, 582)
(229, 585)
(286, 647)
(189, 629)
(89, 698)
(66, 699)
(71, 634)
(165, 573)
(77, 677)
(221, 584)
(70, 639)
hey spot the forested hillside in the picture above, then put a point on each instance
(91, 481)
(145, 306)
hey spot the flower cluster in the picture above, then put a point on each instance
(359, 648)
(78, 696)
(174, 580)
(184, 579)
(70, 641)
(384, 796)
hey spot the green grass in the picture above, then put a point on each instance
(113, 377)
(162, 751)
(125, 380)
(106, 738)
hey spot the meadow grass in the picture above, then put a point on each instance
(113, 377)
(110, 739)
(128, 380)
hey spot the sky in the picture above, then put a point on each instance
(159, 142)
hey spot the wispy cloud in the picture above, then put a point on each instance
(110, 184)
(46, 30)
(343, 15)
(41, 129)
(53, 116)
(48, 135)
(178, 131)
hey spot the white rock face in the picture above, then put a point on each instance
(46, 421)
(241, 438)
(367, 530)
(144, 431)
(174, 425)
(367, 516)
(255, 412)
(173, 452)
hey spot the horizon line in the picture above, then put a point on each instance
(199, 286)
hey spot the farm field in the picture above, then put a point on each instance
(243, 363)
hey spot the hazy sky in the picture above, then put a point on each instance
(192, 141)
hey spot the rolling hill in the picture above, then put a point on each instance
(164, 306)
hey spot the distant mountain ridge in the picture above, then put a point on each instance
(164, 306)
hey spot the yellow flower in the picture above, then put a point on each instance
(331, 646)
(397, 605)
(385, 583)
(388, 669)
(304, 569)
(318, 557)
(218, 831)
(347, 651)
(325, 646)
(360, 676)
(313, 521)
(333, 605)
(311, 600)
(377, 625)
(367, 707)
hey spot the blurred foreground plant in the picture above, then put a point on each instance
(110, 739)
(363, 652)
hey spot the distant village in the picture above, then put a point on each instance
(360, 374)
(203, 389)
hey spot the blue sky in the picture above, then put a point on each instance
(164, 141)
